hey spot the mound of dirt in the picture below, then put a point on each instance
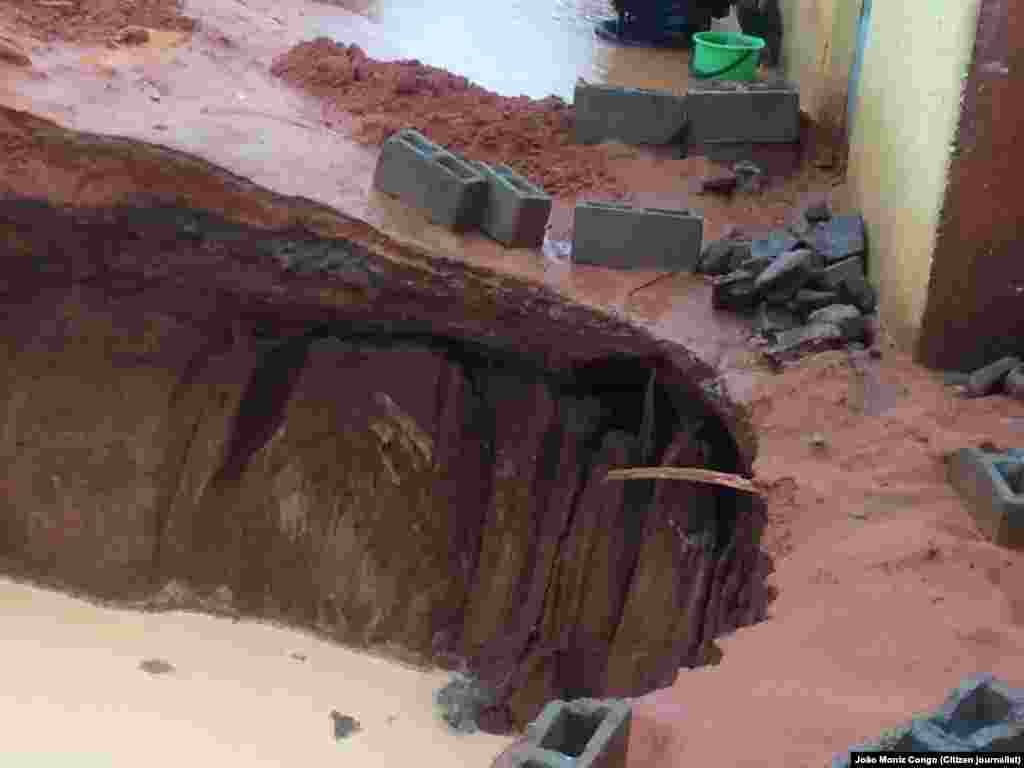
(531, 136)
(91, 21)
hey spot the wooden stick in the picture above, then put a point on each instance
(693, 474)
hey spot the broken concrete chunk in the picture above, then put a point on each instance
(755, 265)
(836, 314)
(1013, 385)
(789, 272)
(818, 211)
(856, 290)
(987, 380)
(816, 337)
(834, 275)
(716, 258)
(807, 301)
(782, 295)
(838, 238)
(734, 291)
(773, 245)
(772, 320)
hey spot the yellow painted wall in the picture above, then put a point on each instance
(908, 105)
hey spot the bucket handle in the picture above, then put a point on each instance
(719, 72)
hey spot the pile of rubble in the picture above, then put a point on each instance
(805, 285)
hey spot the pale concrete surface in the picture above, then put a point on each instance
(74, 694)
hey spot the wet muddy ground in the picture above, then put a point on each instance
(887, 594)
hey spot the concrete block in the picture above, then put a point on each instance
(985, 713)
(625, 237)
(759, 112)
(629, 115)
(451, 191)
(516, 212)
(995, 507)
(585, 733)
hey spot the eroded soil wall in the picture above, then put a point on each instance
(397, 452)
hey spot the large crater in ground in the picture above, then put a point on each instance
(206, 383)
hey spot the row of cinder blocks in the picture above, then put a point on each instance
(462, 195)
(712, 111)
(585, 733)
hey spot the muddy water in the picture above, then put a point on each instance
(531, 47)
(214, 692)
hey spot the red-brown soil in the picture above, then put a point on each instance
(92, 21)
(531, 136)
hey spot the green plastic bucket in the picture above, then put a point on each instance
(725, 55)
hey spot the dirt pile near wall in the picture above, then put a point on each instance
(92, 21)
(531, 136)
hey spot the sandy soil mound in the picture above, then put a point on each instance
(531, 136)
(92, 21)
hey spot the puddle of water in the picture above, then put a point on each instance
(109, 687)
(522, 47)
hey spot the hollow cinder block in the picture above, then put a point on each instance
(451, 191)
(629, 115)
(997, 509)
(986, 713)
(720, 112)
(626, 237)
(516, 212)
(591, 733)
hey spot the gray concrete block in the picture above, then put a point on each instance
(516, 213)
(759, 112)
(626, 237)
(995, 507)
(450, 191)
(981, 715)
(585, 733)
(985, 713)
(629, 115)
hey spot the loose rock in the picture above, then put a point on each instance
(807, 301)
(818, 211)
(723, 256)
(344, 726)
(839, 238)
(734, 291)
(856, 290)
(790, 271)
(156, 666)
(1014, 383)
(987, 380)
(772, 320)
(834, 275)
(798, 342)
